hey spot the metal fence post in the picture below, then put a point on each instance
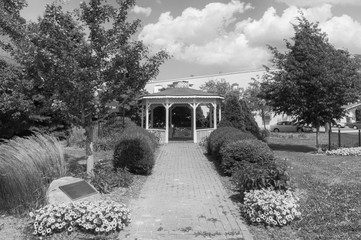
(359, 138)
(329, 139)
(339, 138)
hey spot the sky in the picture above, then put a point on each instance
(210, 37)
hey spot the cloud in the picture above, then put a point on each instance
(201, 36)
(271, 29)
(218, 34)
(312, 3)
(343, 32)
(142, 10)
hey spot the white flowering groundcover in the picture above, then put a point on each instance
(355, 151)
(91, 217)
(269, 207)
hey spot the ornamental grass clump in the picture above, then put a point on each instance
(27, 166)
(101, 217)
(269, 207)
(356, 151)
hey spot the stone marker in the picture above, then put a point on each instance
(56, 195)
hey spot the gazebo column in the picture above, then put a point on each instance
(152, 117)
(167, 106)
(147, 114)
(142, 120)
(214, 115)
(219, 113)
(210, 116)
(194, 106)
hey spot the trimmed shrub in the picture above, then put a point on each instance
(250, 124)
(110, 133)
(224, 135)
(135, 131)
(253, 176)
(27, 166)
(135, 151)
(252, 150)
(224, 123)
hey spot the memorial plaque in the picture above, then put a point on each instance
(78, 190)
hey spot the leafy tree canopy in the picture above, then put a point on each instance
(252, 97)
(77, 61)
(313, 79)
(222, 87)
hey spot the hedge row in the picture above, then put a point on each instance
(135, 151)
(249, 161)
(221, 136)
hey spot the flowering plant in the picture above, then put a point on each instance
(275, 208)
(355, 151)
(93, 217)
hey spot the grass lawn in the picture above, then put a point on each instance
(330, 188)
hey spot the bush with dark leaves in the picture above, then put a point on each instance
(251, 150)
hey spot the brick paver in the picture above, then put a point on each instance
(184, 199)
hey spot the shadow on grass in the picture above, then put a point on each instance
(291, 147)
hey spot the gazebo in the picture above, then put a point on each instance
(180, 98)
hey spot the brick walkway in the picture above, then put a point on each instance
(184, 199)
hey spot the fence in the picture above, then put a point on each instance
(344, 139)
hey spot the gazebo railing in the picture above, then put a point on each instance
(203, 133)
(159, 133)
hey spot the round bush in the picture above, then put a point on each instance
(224, 123)
(251, 150)
(136, 154)
(221, 136)
(135, 132)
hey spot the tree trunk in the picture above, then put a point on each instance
(89, 149)
(327, 127)
(317, 137)
(263, 119)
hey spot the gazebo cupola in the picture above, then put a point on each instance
(184, 101)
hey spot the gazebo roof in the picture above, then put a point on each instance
(181, 93)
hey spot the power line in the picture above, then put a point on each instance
(208, 76)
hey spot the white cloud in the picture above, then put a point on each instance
(343, 32)
(142, 10)
(271, 29)
(201, 36)
(312, 3)
(217, 35)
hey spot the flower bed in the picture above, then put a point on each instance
(102, 217)
(269, 207)
(356, 151)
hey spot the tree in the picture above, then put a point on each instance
(313, 80)
(11, 23)
(77, 73)
(222, 87)
(252, 97)
(238, 114)
(15, 106)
